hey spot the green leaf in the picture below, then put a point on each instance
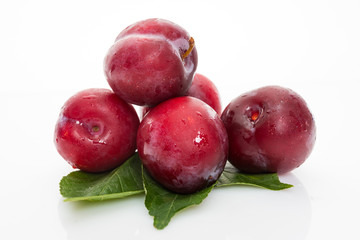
(163, 204)
(231, 176)
(126, 180)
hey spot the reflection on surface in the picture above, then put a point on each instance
(228, 213)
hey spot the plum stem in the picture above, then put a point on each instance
(95, 129)
(255, 116)
(191, 47)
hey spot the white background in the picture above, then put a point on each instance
(49, 50)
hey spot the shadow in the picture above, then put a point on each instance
(103, 219)
(254, 213)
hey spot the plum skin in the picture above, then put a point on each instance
(270, 130)
(201, 88)
(96, 130)
(145, 65)
(183, 144)
(204, 89)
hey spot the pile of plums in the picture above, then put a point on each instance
(184, 138)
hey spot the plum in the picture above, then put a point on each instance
(270, 129)
(151, 61)
(205, 90)
(183, 144)
(96, 130)
(201, 88)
